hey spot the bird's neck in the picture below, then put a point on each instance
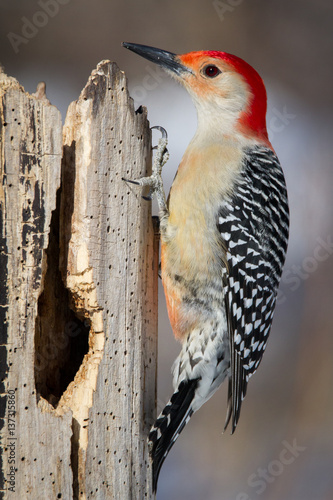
(218, 125)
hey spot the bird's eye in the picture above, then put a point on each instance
(211, 71)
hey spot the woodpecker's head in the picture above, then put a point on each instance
(229, 94)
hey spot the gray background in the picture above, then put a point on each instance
(290, 43)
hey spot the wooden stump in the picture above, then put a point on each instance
(78, 303)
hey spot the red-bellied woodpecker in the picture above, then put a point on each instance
(224, 234)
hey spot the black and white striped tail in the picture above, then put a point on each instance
(170, 423)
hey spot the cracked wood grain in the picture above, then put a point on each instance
(79, 264)
(30, 152)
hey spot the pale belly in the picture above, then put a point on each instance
(192, 248)
(191, 274)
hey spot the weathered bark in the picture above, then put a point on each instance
(78, 290)
(36, 441)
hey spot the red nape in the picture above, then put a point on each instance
(255, 117)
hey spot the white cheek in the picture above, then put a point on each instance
(232, 92)
(219, 111)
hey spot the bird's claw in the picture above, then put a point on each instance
(130, 181)
(149, 196)
(162, 153)
(155, 181)
(162, 130)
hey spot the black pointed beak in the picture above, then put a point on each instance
(167, 60)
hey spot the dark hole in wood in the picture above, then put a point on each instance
(61, 337)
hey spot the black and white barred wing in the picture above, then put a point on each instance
(254, 224)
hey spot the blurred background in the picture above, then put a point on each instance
(283, 446)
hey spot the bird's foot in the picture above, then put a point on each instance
(154, 181)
